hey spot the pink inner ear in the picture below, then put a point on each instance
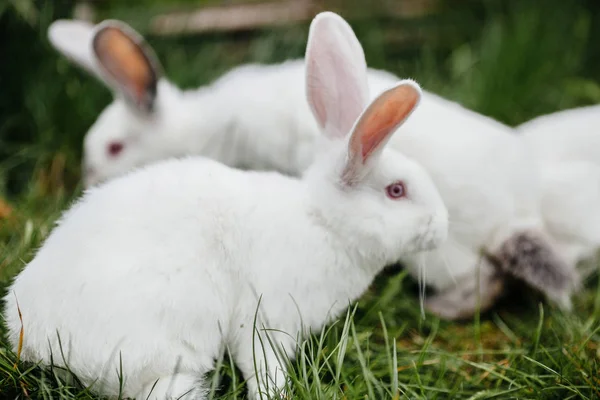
(126, 62)
(313, 85)
(382, 118)
(336, 81)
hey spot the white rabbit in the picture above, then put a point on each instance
(488, 181)
(566, 145)
(151, 119)
(483, 172)
(163, 268)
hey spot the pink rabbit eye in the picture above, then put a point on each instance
(396, 190)
(115, 148)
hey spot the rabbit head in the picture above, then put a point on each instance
(129, 132)
(353, 173)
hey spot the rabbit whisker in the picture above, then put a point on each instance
(422, 284)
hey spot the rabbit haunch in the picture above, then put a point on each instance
(566, 146)
(162, 269)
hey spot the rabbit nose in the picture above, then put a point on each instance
(89, 175)
(89, 171)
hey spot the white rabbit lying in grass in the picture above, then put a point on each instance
(483, 171)
(567, 147)
(162, 268)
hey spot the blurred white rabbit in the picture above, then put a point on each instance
(483, 171)
(566, 145)
(162, 269)
(152, 119)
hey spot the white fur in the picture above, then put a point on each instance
(164, 268)
(234, 120)
(569, 135)
(485, 176)
(483, 171)
(567, 147)
(238, 119)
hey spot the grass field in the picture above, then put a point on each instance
(522, 350)
(524, 60)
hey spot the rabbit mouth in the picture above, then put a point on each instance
(428, 242)
(433, 235)
(89, 174)
(91, 178)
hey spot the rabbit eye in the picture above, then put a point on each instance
(115, 148)
(396, 190)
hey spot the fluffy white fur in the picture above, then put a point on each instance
(234, 120)
(566, 145)
(485, 176)
(246, 119)
(237, 120)
(569, 135)
(165, 267)
(488, 180)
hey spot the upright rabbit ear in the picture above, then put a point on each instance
(376, 125)
(128, 63)
(336, 74)
(73, 39)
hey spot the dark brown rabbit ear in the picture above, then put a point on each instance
(128, 62)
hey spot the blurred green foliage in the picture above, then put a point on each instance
(511, 60)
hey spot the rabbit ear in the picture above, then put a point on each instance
(336, 74)
(73, 39)
(376, 125)
(129, 64)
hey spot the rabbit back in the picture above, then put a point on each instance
(157, 254)
(161, 268)
(570, 135)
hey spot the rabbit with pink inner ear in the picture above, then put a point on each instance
(566, 146)
(155, 272)
(236, 120)
(487, 178)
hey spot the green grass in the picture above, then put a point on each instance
(512, 60)
(523, 349)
